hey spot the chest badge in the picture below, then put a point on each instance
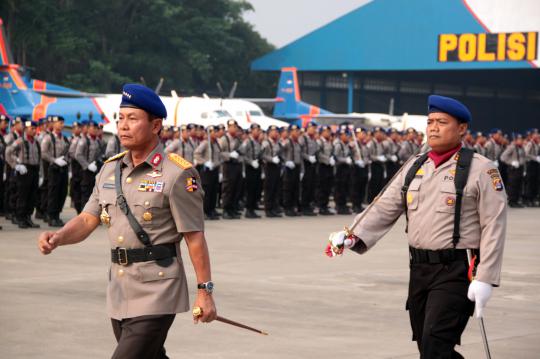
(147, 216)
(104, 217)
(155, 174)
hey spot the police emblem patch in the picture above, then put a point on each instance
(191, 184)
(450, 201)
(150, 186)
(497, 184)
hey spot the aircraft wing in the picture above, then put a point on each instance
(54, 93)
(261, 100)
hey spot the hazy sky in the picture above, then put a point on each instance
(283, 21)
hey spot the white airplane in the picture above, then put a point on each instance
(198, 110)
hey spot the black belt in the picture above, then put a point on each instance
(439, 256)
(124, 256)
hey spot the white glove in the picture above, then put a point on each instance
(480, 293)
(92, 167)
(538, 159)
(496, 163)
(40, 181)
(515, 164)
(360, 163)
(301, 175)
(275, 160)
(60, 161)
(209, 165)
(337, 242)
(393, 158)
(234, 155)
(313, 159)
(332, 161)
(381, 158)
(263, 176)
(21, 169)
(220, 177)
(255, 164)
(348, 161)
(290, 164)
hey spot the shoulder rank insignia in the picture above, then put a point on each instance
(115, 157)
(179, 161)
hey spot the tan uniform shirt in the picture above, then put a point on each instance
(229, 144)
(88, 150)
(326, 151)
(202, 153)
(113, 146)
(512, 154)
(270, 149)
(310, 147)
(23, 151)
(532, 151)
(184, 148)
(407, 150)
(50, 151)
(493, 150)
(251, 149)
(171, 192)
(431, 199)
(292, 151)
(342, 151)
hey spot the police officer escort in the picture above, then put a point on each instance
(148, 202)
(251, 148)
(54, 151)
(207, 155)
(455, 203)
(232, 170)
(271, 152)
(24, 156)
(325, 170)
(10, 193)
(292, 156)
(310, 148)
(88, 154)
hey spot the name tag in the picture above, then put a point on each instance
(109, 185)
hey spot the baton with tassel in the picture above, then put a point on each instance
(197, 312)
(472, 260)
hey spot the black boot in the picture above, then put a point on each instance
(21, 222)
(31, 224)
(290, 212)
(251, 214)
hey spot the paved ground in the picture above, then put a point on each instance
(270, 273)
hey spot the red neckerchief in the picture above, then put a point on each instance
(93, 137)
(30, 139)
(440, 158)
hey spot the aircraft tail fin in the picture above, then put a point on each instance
(289, 91)
(6, 57)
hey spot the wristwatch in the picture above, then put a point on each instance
(207, 286)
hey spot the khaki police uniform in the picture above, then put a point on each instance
(54, 146)
(309, 155)
(166, 199)
(209, 176)
(251, 150)
(325, 169)
(438, 289)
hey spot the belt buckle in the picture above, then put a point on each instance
(124, 261)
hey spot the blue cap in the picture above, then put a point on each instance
(312, 124)
(139, 96)
(4, 118)
(324, 127)
(293, 127)
(494, 131)
(92, 123)
(450, 106)
(31, 124)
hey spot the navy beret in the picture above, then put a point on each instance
(324, 127)
(31, 124)
(232, 122)
(57, 118)
(494, 131)
(139, 96)
(19, 119)
(220, 127)
(293, 127)
(450, 106)
(254, 125)
(312, 124)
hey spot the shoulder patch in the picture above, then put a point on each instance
(115, 157)
(179, 161)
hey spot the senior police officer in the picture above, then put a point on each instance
(148, 201)
(455, 203)
(54, 150)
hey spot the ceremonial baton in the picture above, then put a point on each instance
(197, 312)
(350, 230)
(481, 320)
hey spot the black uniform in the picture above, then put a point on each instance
(3, 146)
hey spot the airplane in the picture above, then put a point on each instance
(293, 109)
(21, 95)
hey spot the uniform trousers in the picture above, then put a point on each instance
(2, 186)
(26, 191)
(75, 186)
(88, 180)
(291, 188)
(10, 193)
(325, 183)
(57, 189)
(231, 186)
(308, 186)
(391, 169)
(253, 187)
(359, 179)
(41, 202)
(532, 181)
(141, 337)
(341, 190)
(210, 184)
(271, 186)
(515, 181)
(376, 182)
(438, 307)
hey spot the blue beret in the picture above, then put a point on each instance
(494, 131)
(312, 124)
(92, 123)
(19, 119)
(272, 128)
(139, 96)
(4, 118)
(324, 127)
(293, 127)
(450, 106)
(254, 125)
(31, 124)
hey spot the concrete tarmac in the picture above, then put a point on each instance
(270, 274)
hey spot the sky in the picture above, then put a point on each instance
(283, 21)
